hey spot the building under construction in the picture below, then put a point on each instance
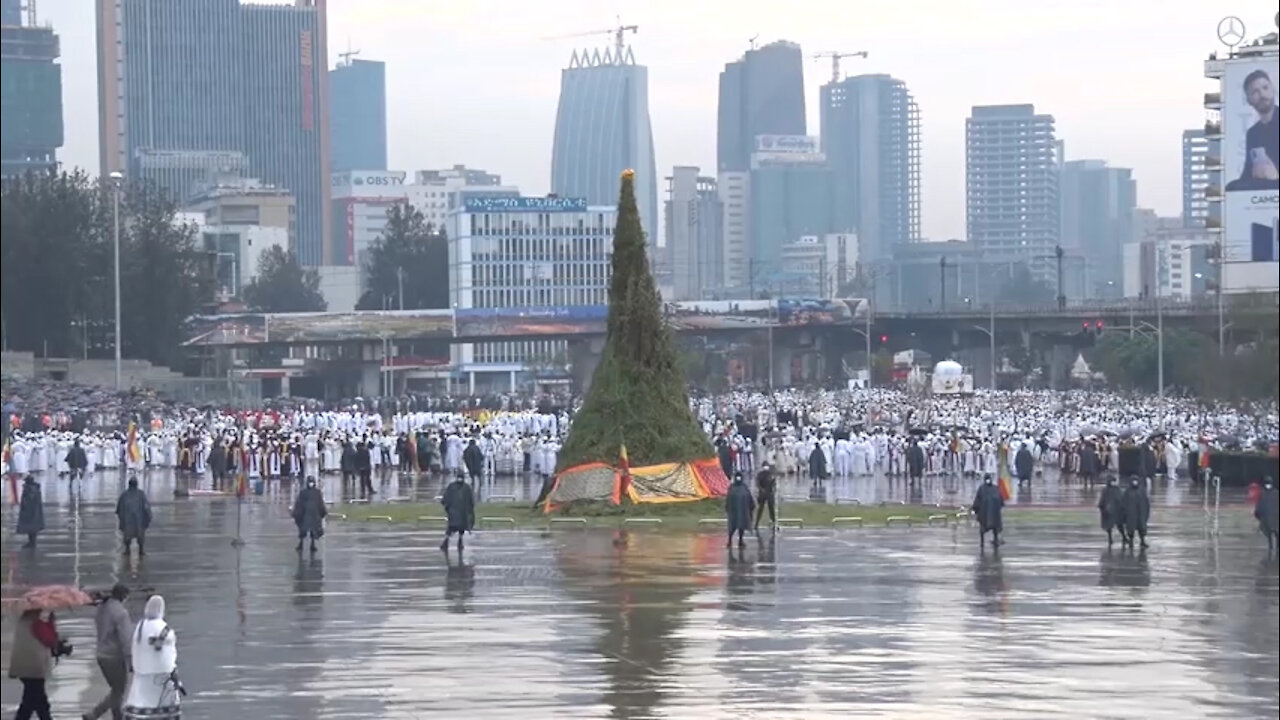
(31, 105)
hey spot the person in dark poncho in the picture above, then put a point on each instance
(1136, 510)
(460, 511)
(738, 507)
(30, 511)
(1267, 510)
(309, 513)
(133, 511)
(1109, 509)
(988, 507)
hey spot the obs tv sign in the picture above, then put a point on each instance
(368, 179)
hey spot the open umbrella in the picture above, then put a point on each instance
(51, 597)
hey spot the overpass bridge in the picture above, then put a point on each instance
(408, 342)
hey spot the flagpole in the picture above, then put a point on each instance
(241, 489)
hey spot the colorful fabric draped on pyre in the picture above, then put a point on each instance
(669, 482)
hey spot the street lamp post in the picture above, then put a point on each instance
(990, 330)
(117, 179)
(1160, 348)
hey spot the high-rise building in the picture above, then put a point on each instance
(761, 93)
(358, 115)
(1195, 177)
(602, 129)
(791, 197)
(31, 97)
(735, 198)
(1168, 259)
(548, 254)
(1011, 186)
(1097, 215)
(871, 137)
(694, 253)
(192, 88)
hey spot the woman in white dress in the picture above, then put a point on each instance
(154, 690)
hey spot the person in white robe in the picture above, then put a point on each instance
(154, 691)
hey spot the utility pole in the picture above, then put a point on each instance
(116, 179)
(1222, 326)
(1062, 293)
(400, 285)
(942, 282)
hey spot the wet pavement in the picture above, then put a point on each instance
(595, 624)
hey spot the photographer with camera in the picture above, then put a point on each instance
(114, 647)
(35, 647)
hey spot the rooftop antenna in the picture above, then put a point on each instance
(346, 56)
(752, 40)
(835, 60)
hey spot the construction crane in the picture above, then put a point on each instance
(346, 56)
(835, 60)
(618, 33)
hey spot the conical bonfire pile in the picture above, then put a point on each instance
(637, 397)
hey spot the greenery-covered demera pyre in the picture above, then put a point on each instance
(637, 396)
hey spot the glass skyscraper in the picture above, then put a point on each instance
(760, 94)
(871, 137)
(602, 128)
(31, 131)
(189, 89)
(358, 115)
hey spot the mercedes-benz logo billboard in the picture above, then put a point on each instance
(1231, 31)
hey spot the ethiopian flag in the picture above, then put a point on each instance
(411, 447)
(131, 444)
(624, 466)
(1004, 480)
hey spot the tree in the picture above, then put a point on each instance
(282, 285)
(56, 268)
(637, 396)
(1023, 288)
(412, 253)
(1133, 362)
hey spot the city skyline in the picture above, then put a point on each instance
(1127, 105)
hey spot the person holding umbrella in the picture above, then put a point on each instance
(37, 645)
(309, 512)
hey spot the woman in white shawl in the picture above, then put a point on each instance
(154, 691)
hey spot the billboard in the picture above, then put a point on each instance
(1250, 159)
(496, 204)
(368, 184)
(799, 144)
(820, 312)
(485, 323)
(720, 314)
(262, 328)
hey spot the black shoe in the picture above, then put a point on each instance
(444, 546)
(28, 546)
(728, 543)
(313, 548)
(298, 548)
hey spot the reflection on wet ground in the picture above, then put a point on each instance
(868, 623)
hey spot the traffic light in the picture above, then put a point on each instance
(1097, 326)
(1084, 326)
(884, 339)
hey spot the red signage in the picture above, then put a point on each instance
(308, 83)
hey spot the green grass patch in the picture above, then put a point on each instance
(674, 516)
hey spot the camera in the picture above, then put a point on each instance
(63, 650)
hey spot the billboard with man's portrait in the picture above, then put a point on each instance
(1251, 160)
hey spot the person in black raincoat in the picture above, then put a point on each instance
(309, 513)
(817, 463)
(134, 514)
(1136, 509)
(1109, 508)
(460, 511)
(725, 455)
(364, 466)
(77, 461)
(1023, 464)
(30, 511)
(766, 489)
(347, 461)
(1266, 510)
(738, 507)
(915, 461)
(988, 506)
(1089, 463)
(473, 458)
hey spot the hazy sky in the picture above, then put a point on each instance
(476, 81)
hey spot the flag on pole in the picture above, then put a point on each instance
(131, 445)
(1005, 480)
(411, 447)
(624, 465)
(242, 485)
(1204, 454)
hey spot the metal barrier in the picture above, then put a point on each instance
(934, 518)
(503, 498)
(567, 521)
(713, 521)
(499, 520)
(358, 501)
(889, 521)
(790, 522)
(846, 520)
(849, 500)
(795, 498)
(401, 499)
(432, 518)
(886, 503)
(336, 516)
(387, 518)
(641, 521)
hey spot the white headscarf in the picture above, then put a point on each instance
(153, 611)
